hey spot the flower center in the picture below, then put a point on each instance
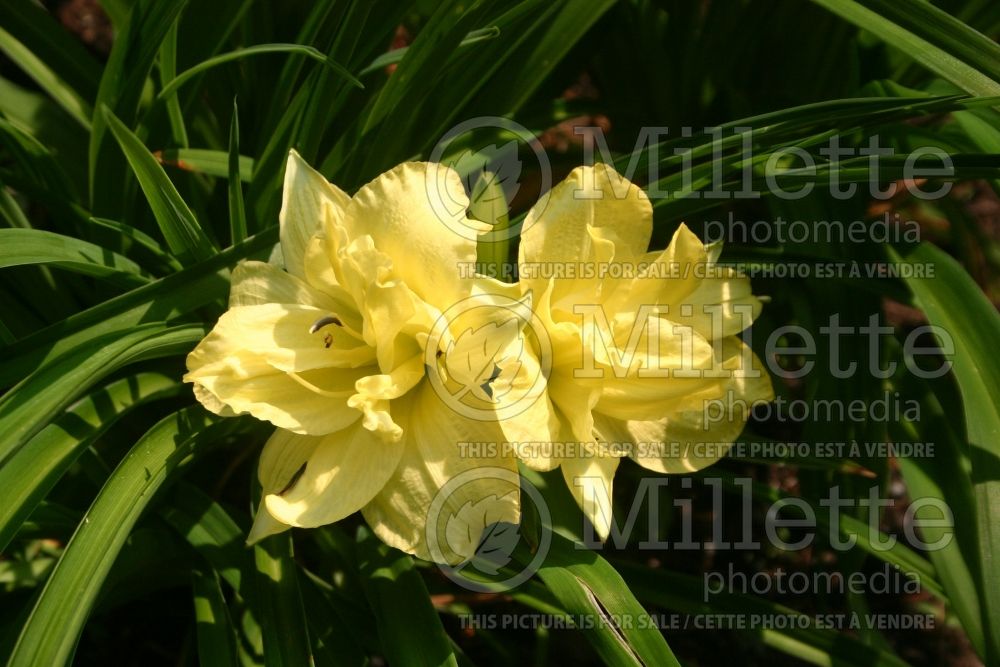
(325, 322)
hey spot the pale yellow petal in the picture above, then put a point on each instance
(388, 306)
(313, 402)
(690, 438)
(590, 479)
(592, 199)
(482, 345)
(282, 458)
(264, 525)
(211, 402)
(307, 199)
(435, 452)
(666, 367)
(574, 401)
(258, 283)
(290, 337)
(389, 311)
(340, 474)
(375, 392)
(684, 279)
(722, 305)
(528, 415)
(588, 285)
(414, 213)
(668, 276)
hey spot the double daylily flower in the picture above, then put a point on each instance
(356, 347)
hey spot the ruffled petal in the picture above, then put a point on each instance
(665, 277)
(313, 402)
(337, 474)
(722, 305)
(283, 456)
(307, 200)
(694, 436)
(210, 402)
(436, 452)
(593, 202)
(375, 392)
(414, 213)
(665, 366)
(685, 281)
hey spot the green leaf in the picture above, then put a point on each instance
(799, 637)
(35, 246)
(392, 115)
(37, 115)
(408, 625)
(132, 240)
(237, 211)
(361, 29)
(213, 533)
(133, 52)
(926, 48)
(33, 403)
(11, 212)
(396, 55)
(903, 557)
(590, 589)
(205, 161)
(6, 335)
(210, 530)
(314, 26)
(165, 299)
(488, 204)
(55, 623)
(38, 170)
(541, 46)
(168, 71)
(279, 604)
(180, 228)
(258, 49)
(46, 79)
(117, 11)
(335, 634)
(216, 636)
(953, 302)
(946, 32)
(944, 477)
(52, 45)
(29, 475)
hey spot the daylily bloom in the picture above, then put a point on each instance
(644, 345)
(333, 349)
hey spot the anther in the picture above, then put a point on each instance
(323, 322)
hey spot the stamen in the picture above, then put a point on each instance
(325, 321)
(322, 392)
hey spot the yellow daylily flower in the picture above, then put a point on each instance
(336, 349)
(644, 345)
